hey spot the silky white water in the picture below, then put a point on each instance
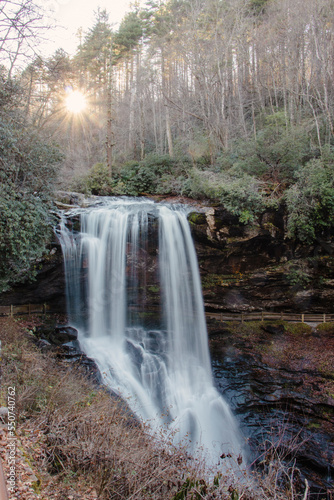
(164, 372)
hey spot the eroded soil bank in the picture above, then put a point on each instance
(279, 380)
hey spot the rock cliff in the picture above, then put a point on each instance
(257, 267)
(243, 267)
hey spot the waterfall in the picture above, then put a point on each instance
(162, 370)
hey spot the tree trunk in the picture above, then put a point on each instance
(110, 133)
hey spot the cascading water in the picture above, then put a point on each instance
(164, 373)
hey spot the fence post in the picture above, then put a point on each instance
(262, 316)
(242, 317)
(12, 310)
(324, 318)
(303, 318)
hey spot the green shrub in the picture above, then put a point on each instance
(144, 180)
(25, 229)
(97, 181)
(326, 328)
(156, 174)
(28, 171)
(310, 201)
(241, 196)
(168, 184)
(276, 154)
(299, 275)
(160, 164)
(299, 329)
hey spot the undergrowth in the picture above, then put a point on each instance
(88, 435)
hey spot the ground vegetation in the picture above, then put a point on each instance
(78, 440)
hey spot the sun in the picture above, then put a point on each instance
(75, 102)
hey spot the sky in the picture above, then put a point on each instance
(70, 15)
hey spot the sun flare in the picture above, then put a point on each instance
(75, 102)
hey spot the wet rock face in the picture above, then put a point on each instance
(247, 268)
(243, 267)
(280, 385)
(48, 286)
(62, 342)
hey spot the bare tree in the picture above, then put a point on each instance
(195, 77)
(20, 29)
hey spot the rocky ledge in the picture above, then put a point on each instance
(252, 267)
(258, 268)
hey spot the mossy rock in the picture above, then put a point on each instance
(197, 218)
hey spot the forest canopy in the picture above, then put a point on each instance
(219, 99)
(228, 100)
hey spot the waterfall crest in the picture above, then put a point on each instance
(164, 371)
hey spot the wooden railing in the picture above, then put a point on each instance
(27, 309)
(220, 316)
(263, 316)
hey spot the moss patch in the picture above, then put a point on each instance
(197, 218)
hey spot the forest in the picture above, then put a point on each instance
(229, 101)
(226, 106)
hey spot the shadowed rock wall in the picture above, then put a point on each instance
(243, 268)
(256, 267)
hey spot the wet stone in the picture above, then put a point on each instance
(278, 395)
